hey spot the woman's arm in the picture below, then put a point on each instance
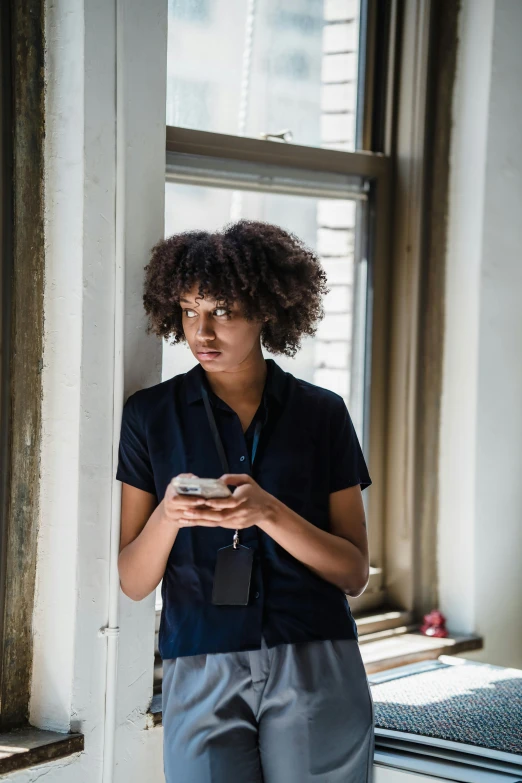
(148, 532)
(340, 556)
(145, 543)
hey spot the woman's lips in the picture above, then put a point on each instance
(208, 354)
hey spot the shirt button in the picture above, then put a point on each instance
(257, 595)
(241, 459)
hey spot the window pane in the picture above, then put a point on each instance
(253, 68)
(334, 358)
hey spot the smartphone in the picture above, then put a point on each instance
(201, 487)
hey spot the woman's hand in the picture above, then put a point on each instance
(176, 506)
(249, 505)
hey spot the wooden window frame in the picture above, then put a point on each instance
(407, 59)
(188, 147)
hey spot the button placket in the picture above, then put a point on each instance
(245, 456)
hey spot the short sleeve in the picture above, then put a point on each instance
(347, 463)
(134, 466)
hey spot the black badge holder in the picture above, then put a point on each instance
(233, 570)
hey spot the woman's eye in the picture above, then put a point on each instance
(219, 311)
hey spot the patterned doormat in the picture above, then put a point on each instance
(467, 702)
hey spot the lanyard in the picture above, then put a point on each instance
(219, 442)
(217, 438)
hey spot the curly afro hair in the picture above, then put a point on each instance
(270, 272)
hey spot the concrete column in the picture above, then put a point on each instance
(480, 530)
(81, 194)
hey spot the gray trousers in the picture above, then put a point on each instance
(294, 713)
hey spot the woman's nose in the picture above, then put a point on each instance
(205, 327)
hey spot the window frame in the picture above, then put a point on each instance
(376, 169)
(402, 78)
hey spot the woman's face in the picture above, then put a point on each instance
(220, 339)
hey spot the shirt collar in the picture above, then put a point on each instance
(274, 384)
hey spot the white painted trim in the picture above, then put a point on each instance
(104, 210)
(480, 536)
(55, 609)
(458, 441)
(112, 630)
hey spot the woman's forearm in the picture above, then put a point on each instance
(142, 563)
(333, 558)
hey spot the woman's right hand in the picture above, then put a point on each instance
(174, 504)
(149, 530)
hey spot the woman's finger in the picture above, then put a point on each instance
(183, 501)
(231, 502)
(203, 515)
(211, 516)
(184, 522)
(187, 500)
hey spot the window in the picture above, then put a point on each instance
(268, 131)
(265, 68)
(315, 117)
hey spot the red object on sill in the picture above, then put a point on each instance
(434, 624)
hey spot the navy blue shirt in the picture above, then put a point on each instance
(308, 448)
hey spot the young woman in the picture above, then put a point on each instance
(268, 685)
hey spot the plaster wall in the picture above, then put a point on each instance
(101, 167)
(480, 535)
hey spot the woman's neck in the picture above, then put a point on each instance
(243, 384)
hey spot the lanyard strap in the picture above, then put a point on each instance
(217, 438)
(215, 433)
(219, 443)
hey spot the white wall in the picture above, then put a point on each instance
(480, 523)
(84, 192)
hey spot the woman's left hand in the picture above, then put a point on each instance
(249, 505)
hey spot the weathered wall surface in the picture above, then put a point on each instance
(101, 163)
